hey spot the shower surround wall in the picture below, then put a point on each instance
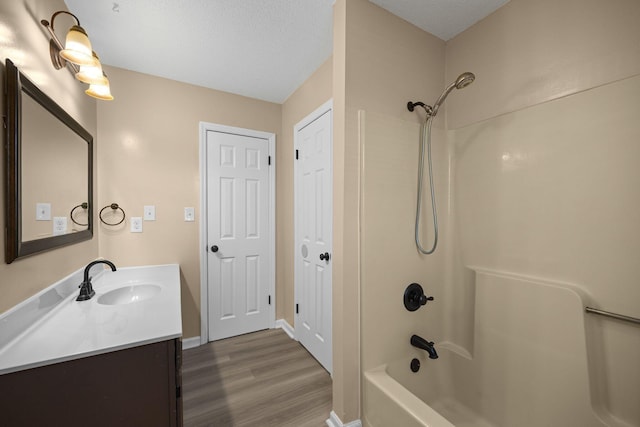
(531, 356)
(559, 202)
(550, 189)
(541, 186)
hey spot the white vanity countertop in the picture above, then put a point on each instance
(75, 329)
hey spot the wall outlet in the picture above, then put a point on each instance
(59, 225)
(149, 213)
(43, 211)
(189, 214)
(136, 224)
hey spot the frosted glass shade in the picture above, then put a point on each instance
(77, 47)
(92, 74)
(100, 91)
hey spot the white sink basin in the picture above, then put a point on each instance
(129, 294)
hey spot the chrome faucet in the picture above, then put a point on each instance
(86, 289)
(425, 345)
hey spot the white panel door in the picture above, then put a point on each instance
(313, 215)
(237, 234)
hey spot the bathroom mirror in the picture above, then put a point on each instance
(49, 172)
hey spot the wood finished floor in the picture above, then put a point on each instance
(261, 379)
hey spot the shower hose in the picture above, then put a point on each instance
(426, 137)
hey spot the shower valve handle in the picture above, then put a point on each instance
(424, 299)
(414, 297)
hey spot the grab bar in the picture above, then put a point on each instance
(614, 315)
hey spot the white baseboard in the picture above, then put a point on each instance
(192, 342)
(286, 327)
(334, 421)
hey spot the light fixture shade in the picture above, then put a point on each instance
(100, 91)
(77, 47)
(92, 74)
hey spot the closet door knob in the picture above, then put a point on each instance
(325, 256)
(214, 248)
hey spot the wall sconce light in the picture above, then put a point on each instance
(100, 89)
(78, 54)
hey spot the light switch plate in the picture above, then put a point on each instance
(149, 213)
(189, 214)
(136, 224)
(43, 211)
(59, 225)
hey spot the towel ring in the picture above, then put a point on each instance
(83, 205)
(115, 207)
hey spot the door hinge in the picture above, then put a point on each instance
(269, 299)
(297, 154)
(269, 161)
(297, 309)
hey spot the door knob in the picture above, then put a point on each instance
(214, 248)
(325, 256)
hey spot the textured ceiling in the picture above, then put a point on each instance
(262, 49)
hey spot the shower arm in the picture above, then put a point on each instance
(427, 108)
(432, 111)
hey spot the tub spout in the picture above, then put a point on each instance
(425, 345)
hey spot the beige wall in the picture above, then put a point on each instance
(529, 52)
(313, 93)
(25, 41)
(149, 155)
(544, 154)
(153, 159)
(380, 63)
(345, 398)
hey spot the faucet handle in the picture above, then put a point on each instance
(414, 297)
(83, 283)
(424, 299)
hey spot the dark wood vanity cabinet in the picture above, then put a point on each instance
(139, 386)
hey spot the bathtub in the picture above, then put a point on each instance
(529, 367)
(395, 396)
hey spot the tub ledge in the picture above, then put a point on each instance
(387, 402)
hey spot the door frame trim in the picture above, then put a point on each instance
(204, 290)
(311, 117)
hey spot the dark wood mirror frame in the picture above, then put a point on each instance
(18, 84)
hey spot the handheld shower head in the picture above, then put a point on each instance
(463, 80)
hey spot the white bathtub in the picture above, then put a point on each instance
(395, 396)
(529, 367)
